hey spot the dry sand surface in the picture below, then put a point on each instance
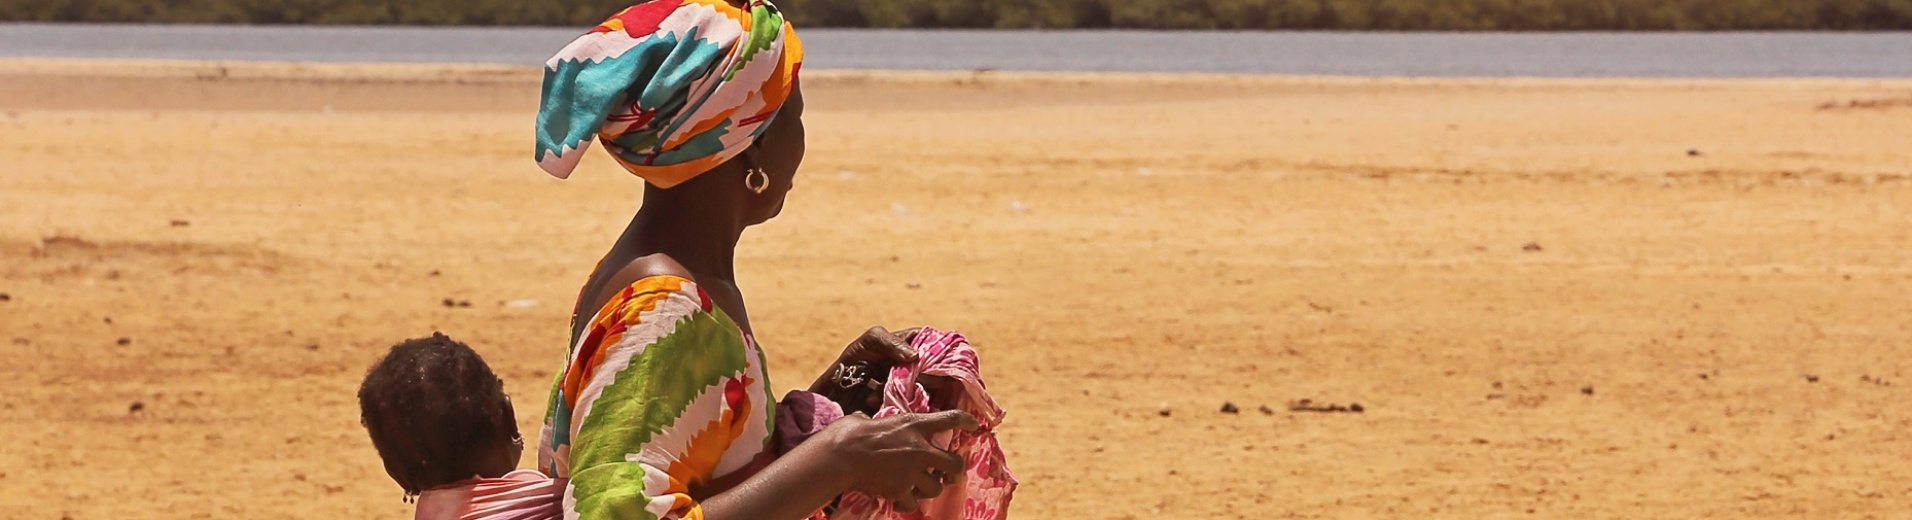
(200, 261)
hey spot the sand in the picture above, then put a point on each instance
(1551, 298)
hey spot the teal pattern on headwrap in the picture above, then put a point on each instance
(671, 88)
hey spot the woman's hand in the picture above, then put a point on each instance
(871, 354)
(892, 457)
(879, 346)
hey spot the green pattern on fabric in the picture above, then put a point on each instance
(766, 27)
(552, 402)
(652, 392)
(769, 412)
(611, 492)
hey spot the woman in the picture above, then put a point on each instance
(663, 409)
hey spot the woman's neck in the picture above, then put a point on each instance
(701, 240)
(705, 246)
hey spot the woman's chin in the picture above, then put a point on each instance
(767, 214)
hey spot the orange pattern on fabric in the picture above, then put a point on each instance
(675, 175)
(699, 128)
(615, 23)
(609, 326)
(786, 74)
(706, 448)
(723, 7)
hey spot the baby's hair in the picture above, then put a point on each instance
(434, 409)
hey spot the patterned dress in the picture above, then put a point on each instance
(661, 394)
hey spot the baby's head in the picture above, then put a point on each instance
(438, 415)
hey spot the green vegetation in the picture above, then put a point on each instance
(1437, 15)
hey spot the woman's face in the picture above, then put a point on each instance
(779, 151)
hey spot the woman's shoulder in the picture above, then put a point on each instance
(649, 267)
(653, 307)
(646, 277)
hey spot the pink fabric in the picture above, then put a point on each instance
(520, 495)
(984, 489)
(800, 415)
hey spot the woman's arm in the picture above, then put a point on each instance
(890, 458)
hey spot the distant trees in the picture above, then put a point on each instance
(1386, 15)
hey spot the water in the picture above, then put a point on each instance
(1327, 53)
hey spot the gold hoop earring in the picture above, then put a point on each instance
(756, 180)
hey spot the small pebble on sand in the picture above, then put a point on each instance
(1586, 390)
(181, 223)
(4, 297)
(136, 407)
(1531, 247)
(1229, 408)
(124, 342)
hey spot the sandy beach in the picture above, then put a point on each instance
(1550, 298)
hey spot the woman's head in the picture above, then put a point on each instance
(776, 155)
(437, 415)
(672, 89)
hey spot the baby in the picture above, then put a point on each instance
(442, 423)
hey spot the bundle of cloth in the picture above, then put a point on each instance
(984, 489)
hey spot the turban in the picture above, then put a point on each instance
(671, 88)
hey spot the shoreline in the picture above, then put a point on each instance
(440, 73)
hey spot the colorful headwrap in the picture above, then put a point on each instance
(672, 88)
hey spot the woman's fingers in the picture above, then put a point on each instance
(909, 335)
(950, 477)
(895, 458)
(925, 485)
(932, 423)
(946, 463)
(906, 503)
(878, 344)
